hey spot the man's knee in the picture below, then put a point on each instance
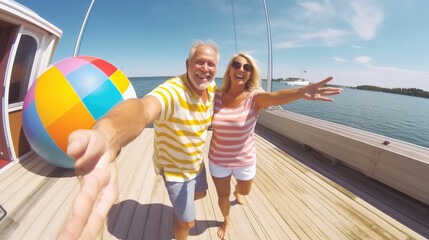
(199, 195)
(185, 226)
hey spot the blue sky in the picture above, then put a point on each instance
(375, 42)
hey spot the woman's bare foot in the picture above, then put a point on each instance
(223, 230)
(239, 198)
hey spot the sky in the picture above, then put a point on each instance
(359, 42)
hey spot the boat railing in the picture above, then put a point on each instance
(387, 160)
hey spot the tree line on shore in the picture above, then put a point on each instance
(403, 91)
(415, 92)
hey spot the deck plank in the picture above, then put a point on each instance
(297, 194)
(294, 201)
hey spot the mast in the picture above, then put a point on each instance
(270, 50)
(233, 20)
(82, 29)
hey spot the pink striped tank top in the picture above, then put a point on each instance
(232, 144)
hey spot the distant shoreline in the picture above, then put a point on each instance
(413, 92)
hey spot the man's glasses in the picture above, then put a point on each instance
(247, 67)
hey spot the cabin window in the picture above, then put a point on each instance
(22, 67)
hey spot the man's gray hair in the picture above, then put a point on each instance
(199, 43)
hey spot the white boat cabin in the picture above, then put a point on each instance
(27, 44)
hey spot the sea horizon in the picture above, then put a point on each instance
(401, 117)
(280, 79)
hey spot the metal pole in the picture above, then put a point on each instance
(233, 19)
(82, 29)
(270, 49)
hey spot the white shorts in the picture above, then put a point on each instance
(240, 173)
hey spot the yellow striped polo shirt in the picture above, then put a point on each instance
(181, 129)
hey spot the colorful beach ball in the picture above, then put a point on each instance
(71, 94)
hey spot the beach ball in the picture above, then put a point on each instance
(71, 94)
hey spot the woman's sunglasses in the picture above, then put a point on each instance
(237, 65)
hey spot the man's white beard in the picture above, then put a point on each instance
(204, 85)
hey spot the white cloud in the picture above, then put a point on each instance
(348, 27)
(329, 37)
(338, 59)
(288, 44)
(363, 59)
(366, 20)
(315, 8)
(328, 22)
(390, 69)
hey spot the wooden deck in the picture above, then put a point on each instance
(297, 195)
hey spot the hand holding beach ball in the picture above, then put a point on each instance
(72, 94)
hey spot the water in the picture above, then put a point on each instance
(396, 116)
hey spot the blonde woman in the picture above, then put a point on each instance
(237, 103)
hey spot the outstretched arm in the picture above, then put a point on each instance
(94, 152)
(98, 192)
(116, 129)
(314, 91)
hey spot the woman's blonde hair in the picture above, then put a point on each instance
(253, 83)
